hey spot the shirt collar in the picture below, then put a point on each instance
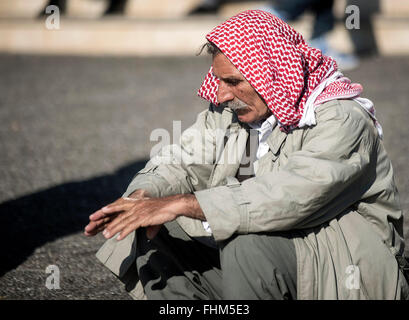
(265, 125)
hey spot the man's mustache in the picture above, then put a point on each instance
(235, 104)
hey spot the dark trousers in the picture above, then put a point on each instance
(322, 9)
(253, 266)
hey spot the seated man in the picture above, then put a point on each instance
(282, 189)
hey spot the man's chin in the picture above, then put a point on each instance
(242, 111)
(245, 117)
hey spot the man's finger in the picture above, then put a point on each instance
(90, 229)
(90, 226)
(127, 230)
(114, 208)
(108, 209)
(94, 229)
(97, 223)
(97, 215)
(125, 215)
(117, 225)
(130, 199)
(96, 226)
(118, 206)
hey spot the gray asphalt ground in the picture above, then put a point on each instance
(73, 132)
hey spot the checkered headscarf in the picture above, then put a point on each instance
(278, 63)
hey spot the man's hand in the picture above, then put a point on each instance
(99, 220)
(127, 215)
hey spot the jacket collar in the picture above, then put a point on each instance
(276, 139)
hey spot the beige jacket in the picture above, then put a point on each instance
(332, 184)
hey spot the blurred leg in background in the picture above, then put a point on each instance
(116, 7)
(324, 21)
(363, 38)
(207, 7)
(61, 4)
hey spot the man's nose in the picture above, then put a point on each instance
(224, 93)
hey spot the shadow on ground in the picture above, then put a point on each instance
(33, 220)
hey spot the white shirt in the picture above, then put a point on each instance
(264, 129)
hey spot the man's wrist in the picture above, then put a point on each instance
(192, 207)
(186, 205)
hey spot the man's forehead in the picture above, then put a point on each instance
(223, 68)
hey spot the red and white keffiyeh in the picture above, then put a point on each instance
(291, 76)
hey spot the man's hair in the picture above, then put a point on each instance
(211, 49)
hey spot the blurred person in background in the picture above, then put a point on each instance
(363, 39)
(207, 7)
(114, 6)
(324, 20)
(281, 189)
(61, 4)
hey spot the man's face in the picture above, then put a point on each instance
(234, 90)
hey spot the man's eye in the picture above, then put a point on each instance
(233, 82)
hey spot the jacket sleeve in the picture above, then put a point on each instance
(180, 168)
(330, 172)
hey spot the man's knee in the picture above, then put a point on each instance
(240, 250)
(259, 266)
(250, 248)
